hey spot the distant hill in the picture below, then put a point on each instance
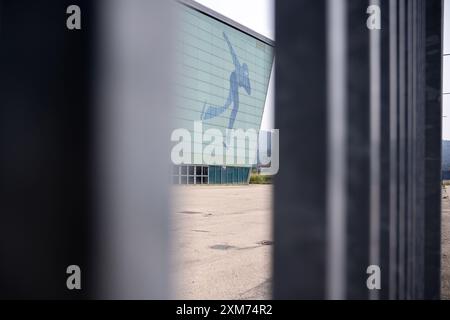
(446, 160)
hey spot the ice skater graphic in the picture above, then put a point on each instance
(238, 79)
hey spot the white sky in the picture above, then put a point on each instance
(257, 15)
(446, 84)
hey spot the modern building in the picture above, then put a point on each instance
(223, 73)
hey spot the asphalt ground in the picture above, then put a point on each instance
(223, 242)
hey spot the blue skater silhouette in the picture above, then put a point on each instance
(238, 78)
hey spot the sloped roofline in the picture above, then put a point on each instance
(215, 15)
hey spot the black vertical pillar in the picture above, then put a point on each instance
(385, 152)
(433, 118)
(83, 167)
(391, 175)
(358, 192)
(45, 132)
(300, 200)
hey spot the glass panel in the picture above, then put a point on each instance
(216, 175)
(191, 170)
(446, 28)
(191, 179)
(199, 180)
(183, 180)
(212, 175)
(223, 175)
(199, 170)
(229, 172)
(205, 171)
(446, 70)
(184, 170)
(205, 180)
(446, 117)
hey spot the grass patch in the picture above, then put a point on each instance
(260, 179)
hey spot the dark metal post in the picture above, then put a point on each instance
(390, 203)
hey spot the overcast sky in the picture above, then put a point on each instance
(446, 86)
(258, 16)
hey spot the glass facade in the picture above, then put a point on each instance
(190, 175)
(222, 80)
(228, 175)
(210, 175)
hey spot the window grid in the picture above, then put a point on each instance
(190, 175)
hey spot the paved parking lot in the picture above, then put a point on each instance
(223, 242)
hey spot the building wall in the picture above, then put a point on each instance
(210, 84)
